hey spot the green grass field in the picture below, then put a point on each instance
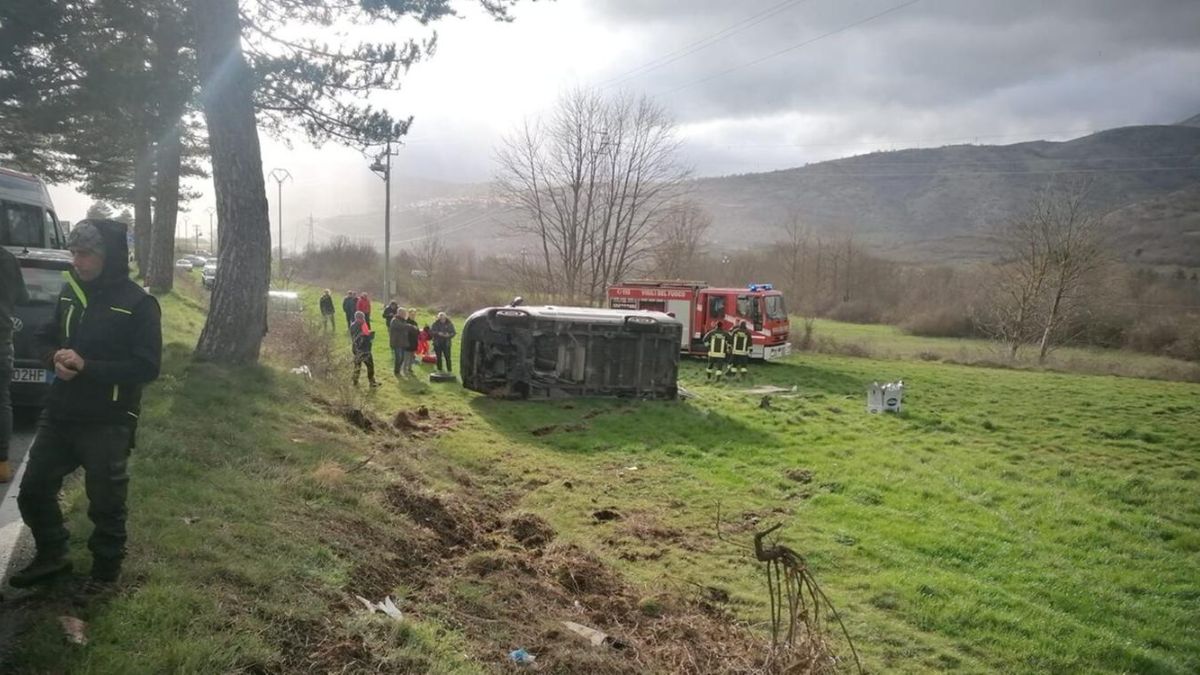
(1007, 521)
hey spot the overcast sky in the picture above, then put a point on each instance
(768, 84)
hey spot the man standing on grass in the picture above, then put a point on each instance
(739, 349)
(718, 348)
(349, 307)
(327, 310)
(104, 343)
(443, 332)
(12, 293)
(394, 341)
(405, 333)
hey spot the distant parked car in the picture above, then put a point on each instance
(287, 302)
(183, 264)
(208, 275)
(198, 261)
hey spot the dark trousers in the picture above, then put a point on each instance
(60, 448)
(716, 366)
(327, 319)
(369, 361)
(443, 353)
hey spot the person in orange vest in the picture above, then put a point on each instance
(739, 349)
(718, 351)
(363, 339)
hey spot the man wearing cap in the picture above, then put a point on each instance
(12, 293)
(104, 343)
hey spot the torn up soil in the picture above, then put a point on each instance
(503, 580)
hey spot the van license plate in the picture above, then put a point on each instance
(34, 375)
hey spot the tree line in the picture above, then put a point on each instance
(131, 99)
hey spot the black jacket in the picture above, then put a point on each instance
(404, 335)
(443, 331)
(349, 304)
(362, 341)
(115, 326)
(326, 305)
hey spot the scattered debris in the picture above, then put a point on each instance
(885, 397)
(406, 421)
(685, 394)
(765, 403)
(595, 637)
(74, 629)
(567, 484)
(302, 370)
(604, 515)
(631, 468)
(521, 657)
(385, 606)
(190, 520)
(767, 389)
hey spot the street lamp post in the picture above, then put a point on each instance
(384, 171)
(280, 175)
(212, 241)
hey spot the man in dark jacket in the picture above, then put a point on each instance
(443, 332)
(404, 341)
(104, 343)
(12, 293)
(349, 307)
(326, 310)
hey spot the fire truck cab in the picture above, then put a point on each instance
(700, 307)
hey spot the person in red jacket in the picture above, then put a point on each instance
(364, 305)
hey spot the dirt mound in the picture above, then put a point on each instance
(802, 476)
(455, 523)
(530, 531)
(357, 417)
(422, 421)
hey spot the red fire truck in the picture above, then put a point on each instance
(700, 308)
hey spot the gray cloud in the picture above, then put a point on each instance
(1128, 59)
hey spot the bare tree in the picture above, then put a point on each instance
(680, 240)
(1076, 244)
(1050, 252)
(590, 184)
(431, 254)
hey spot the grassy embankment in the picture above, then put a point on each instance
(1008, 521)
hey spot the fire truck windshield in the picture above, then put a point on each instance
(775, 307)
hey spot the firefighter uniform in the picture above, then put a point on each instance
(739, 350)
(718, 351)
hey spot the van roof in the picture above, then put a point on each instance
(24, 188)
(587, 314)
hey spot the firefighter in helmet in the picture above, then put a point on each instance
(739, 349)
(718, 351)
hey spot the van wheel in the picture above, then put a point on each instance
(442, 377)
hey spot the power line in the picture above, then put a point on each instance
(796, 46)
(701, 44)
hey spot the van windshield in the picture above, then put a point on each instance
(43, 285)
(27, 225)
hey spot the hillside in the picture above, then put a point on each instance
(934, 204)
(938, 203)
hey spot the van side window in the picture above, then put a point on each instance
(53, 235)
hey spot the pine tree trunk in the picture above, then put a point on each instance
(166, 212)
(142, 184)
(237, 316)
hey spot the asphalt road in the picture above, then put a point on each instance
(16, 546)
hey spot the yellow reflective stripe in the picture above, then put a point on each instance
(70, 312)
(121, 310)
(75, 287)
(114, 393)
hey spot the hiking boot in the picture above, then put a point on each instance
(106, 570)
(5, 471)
(93, 589)
(42, 569)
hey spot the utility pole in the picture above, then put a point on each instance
(197, 230)
(310, 231)
(384, 170)
(280, 175)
